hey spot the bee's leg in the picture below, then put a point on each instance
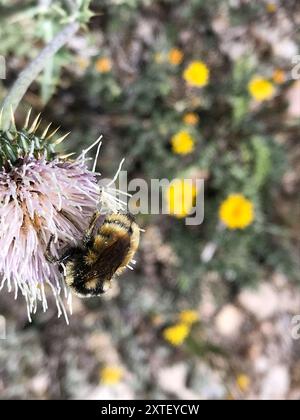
(55, 260)
(88, 233)
(49, 257)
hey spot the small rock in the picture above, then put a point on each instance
(276, 383)
(262, 365)
(117, 392)
(229, 321)
(39, 385)
(293, 96)
(173, 380)
(262, 303)
(208, 382)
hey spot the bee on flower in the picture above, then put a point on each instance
(45, 198)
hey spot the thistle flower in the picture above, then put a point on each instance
(41, 194)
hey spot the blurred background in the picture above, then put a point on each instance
(181, 88)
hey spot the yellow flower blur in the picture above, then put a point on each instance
(180, 197)
(189, 316)
(175, 56)
(176, 334)
(271, 7)
(261, 89)
(182, 143)
(237, 212)
(190, 118)
(103, 65)
(279, 76)
(243, 382)
(197, 74)
(111, 375)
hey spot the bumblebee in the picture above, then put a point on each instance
(105, 252)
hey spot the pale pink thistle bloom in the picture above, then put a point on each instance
(43, 195)
(41, 198)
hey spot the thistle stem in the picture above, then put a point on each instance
(30, 73)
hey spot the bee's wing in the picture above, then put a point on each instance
(112, 257)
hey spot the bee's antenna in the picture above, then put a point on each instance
(85, 151)
(115, 190)
(97, 155)
(117, 174)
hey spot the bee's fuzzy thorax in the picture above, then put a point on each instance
(90, 268)
(91, 257)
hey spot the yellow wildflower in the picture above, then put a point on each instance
(189, 316)
(237, 212)
(182, 143)
(271, 7)
(190, 118)
(196, 74)
(261, 89)
(176, 334)
(180, 198)
(279, 76)
(175, 56)
(111, 375)
(103, 65)
(243, 382)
